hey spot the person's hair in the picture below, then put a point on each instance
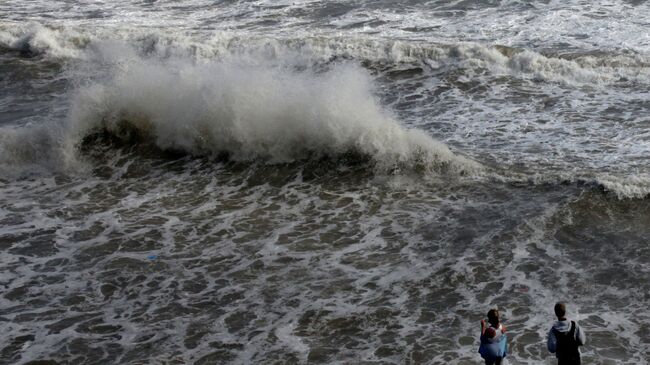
(560, 309)
(493, 317)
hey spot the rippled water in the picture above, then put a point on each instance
(321, 182)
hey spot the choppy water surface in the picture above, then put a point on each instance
(321, 182)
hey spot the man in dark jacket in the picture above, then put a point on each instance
(565, 337)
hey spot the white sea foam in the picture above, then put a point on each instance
(293, 342)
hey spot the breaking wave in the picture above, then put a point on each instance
(249, 113)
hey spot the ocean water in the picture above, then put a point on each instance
(341, 182)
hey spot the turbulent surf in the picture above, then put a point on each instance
(321, 182)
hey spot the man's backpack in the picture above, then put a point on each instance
(567, 346)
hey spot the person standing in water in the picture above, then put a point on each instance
(494, 343)
(565, 338)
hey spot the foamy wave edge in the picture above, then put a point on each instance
(633, 186)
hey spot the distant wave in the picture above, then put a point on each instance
(34, 38)
(70, 42)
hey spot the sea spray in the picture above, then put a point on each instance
(39, 149)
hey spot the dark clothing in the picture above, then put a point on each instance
(496, 361)
(575, 361)
(567, 346)
(564, 339)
